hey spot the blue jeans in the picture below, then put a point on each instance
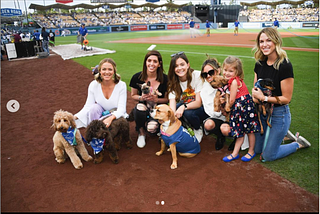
(45, 46)
(194, 116)
(280, 121)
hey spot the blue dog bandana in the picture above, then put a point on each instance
(97, 145)
(70, 136)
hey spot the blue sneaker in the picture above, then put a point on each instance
(81, 48)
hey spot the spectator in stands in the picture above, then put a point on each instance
(236, 26)
(276, 23)
(45, 40)
(83, 33)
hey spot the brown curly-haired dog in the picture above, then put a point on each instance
(115, 135)
(63, 123)
(221, 83)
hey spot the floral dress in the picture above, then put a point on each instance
(243, 119)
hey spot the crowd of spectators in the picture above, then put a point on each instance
(282, 14)
(110, 18)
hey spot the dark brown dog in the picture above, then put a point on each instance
(221, 83)
(266, 86)
(114, 136)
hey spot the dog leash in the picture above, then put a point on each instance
(265, 141)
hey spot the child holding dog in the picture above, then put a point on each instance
(107, 93)
(243, 119)
(184, 86)
(154, 73)
(272, 62)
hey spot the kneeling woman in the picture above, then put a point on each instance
(107, 96)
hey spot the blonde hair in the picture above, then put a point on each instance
(275, 37)
(116, 77)
(236, 63)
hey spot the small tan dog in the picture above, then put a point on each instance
(174, 135)
(221, 83)
(67, 139)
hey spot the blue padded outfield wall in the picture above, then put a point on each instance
(152, 27)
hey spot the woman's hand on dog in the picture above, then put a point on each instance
(109, 120)
(257, 94)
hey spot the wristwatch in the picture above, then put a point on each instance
(185, 106)
(265, 99)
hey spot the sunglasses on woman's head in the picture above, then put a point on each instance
(179, 53)
(205, 74)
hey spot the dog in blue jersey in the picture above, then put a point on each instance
(174, 135)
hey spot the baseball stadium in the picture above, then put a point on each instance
(47, 65)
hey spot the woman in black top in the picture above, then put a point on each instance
(153, 72)
(272, 62)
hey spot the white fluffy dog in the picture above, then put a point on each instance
(67, 139)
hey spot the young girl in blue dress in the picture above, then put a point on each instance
(243, 119)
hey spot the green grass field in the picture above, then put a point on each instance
(301, 167)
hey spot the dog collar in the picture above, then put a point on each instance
(97, 145)
(70, 136)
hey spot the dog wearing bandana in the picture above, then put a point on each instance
(67, 140)
(102, 138)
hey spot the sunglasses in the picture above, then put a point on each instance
(179, 53)
(205, 74)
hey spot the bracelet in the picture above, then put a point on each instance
(139, 98)
(185, 106)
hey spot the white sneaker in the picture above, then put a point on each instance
(303, 142)
(291, 136)
(199, 134)
(141, 142)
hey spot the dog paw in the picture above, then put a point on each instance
(159, 153)
(89, 158)
(174, 166)
(59, 160)
(80, 166)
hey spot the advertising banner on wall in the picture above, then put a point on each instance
(174, 26)
(10, 12)
(111, 1)
(157, 27)
(138, 27)
(119, 28)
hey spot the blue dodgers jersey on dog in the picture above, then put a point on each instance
(97, 145)
(186, 142)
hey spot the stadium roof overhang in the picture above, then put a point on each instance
(274, 3)
(111, 6)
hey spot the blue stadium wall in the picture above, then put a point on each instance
(154, 27)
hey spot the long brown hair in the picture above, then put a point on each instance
(116, 77)
(144, 76)
(173, 80)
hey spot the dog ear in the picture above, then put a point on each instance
(171, 116)
(72, 121)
